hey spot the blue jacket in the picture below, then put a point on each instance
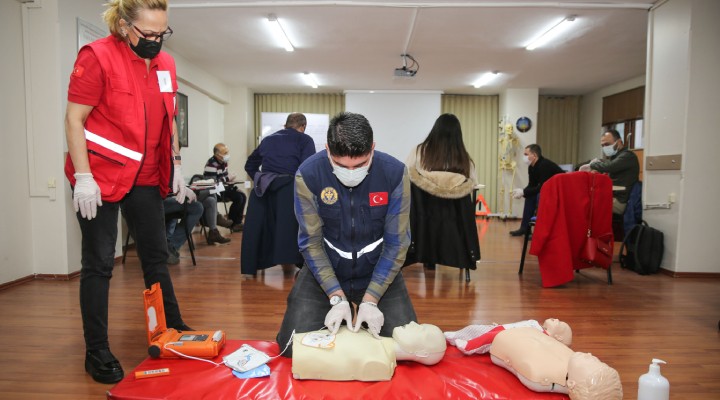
(353, 238)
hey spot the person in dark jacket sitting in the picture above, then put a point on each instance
(540, 169)
(620, 164)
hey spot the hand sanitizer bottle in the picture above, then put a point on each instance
(654, 386)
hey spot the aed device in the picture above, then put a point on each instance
(162, 341)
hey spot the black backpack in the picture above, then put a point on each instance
(644, 248)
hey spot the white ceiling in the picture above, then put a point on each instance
(356, 45)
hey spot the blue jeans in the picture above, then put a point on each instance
(307, 306)
(531, 204)
(143, 211)
(176, 230)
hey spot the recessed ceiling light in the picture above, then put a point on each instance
(279, 32)
(486, 78)
(552, 33)
(310, 79)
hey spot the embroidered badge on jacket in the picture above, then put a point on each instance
(329, 195)
(378, 198)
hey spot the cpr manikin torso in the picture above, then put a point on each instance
(360, 356)
(543, 364)
(477, 339)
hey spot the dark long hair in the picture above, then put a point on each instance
(443, 149)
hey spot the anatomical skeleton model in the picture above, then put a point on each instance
(507, 166)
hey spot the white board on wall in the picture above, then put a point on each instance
(400, 119)
(317, 126)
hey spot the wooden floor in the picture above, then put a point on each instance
(625, 325)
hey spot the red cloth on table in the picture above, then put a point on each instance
(456, 377)
(562, 223)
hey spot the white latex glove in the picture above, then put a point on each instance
(86, 196)
(372, 316)
(517, 193)
(585, 168)
(190, 196)
(231, 178)
(336, 315)
(178, 186)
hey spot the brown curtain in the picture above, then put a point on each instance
(558, 128)
(479, 116)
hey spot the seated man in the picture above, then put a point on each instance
(540, 169)
(176, 230)
(359, 356)
(621, 164)
(477, 339)
(211, 220)
(543, 364)
(217, 168)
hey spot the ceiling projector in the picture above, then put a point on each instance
(405, 72)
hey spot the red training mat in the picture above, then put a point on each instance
(457, 376)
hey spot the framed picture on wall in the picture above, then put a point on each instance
(182, 119)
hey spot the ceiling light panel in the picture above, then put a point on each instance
(556, 31)
(279, 33)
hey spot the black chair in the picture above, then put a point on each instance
(180, 215)
(528, 235)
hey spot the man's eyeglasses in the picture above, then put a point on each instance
(154, 37)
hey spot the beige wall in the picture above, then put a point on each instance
(682, 117)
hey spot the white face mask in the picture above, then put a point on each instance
(526, 159)
(226, 158)
(350, 177)
(609, 151)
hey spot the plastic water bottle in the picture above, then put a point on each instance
(653, 386)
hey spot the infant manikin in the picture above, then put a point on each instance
(477, 339)
(543, 364)
(360, 356)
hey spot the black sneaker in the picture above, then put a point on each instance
(103, 367)
(173, 256)
(519, 232)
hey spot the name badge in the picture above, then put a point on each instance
(164, 81)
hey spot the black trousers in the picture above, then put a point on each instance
(143, 211)
(237, 208)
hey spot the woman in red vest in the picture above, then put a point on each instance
(122, 145)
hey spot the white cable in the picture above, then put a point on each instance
(190, 357)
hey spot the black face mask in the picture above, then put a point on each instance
(146, 48)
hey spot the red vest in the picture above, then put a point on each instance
(115, 129)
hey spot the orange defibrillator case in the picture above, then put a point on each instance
(161, 340)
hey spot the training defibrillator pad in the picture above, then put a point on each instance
(323, 340)
(245, 358)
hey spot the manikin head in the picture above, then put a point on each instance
(423, 343)
(559, 330)
(590, 378)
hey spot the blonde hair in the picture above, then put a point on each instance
(128, 10)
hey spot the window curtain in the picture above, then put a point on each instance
(558, 126)
(320, 103)
(479, 116)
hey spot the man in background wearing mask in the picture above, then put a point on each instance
(540, 169)
(352, 205)
(620, 163)
(217, 168)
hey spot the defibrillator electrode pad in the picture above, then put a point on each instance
(245, 358)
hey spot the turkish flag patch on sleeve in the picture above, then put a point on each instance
(378, 198)
(78, 71)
